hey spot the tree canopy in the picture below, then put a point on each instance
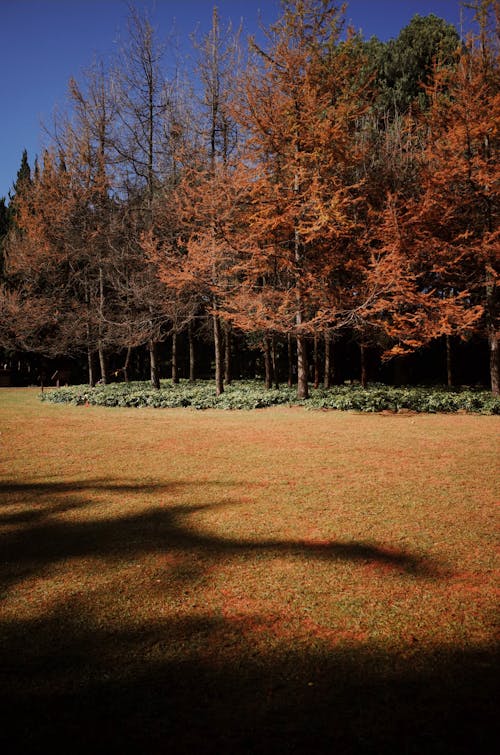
(315, 187)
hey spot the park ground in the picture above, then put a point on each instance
(269, 581)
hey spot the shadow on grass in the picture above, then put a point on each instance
(77, 679)
(71, 686)
(37, 537)
(38, 500)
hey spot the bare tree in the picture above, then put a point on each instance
(218, 62)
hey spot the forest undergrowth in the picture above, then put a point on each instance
(248, 394)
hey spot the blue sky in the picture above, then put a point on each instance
(44, 42)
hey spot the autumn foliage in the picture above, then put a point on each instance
(292, 208)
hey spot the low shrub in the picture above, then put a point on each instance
(252, 395)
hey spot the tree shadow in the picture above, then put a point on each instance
(199, 685)
(43, 538)
(75, 677)
(36, 493)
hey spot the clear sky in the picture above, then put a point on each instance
(44, 42)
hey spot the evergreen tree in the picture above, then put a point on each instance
(20, 187)
(4, 227)
(23, 178)
(406, 63)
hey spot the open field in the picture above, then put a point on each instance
(273, 581)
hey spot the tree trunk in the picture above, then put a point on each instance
(302, 366)
(90, 363)
(290, 360)
(102, 364)
(102, 357)
(362, 349)
(153, 365)
(192, 363)
(127, 364)
(175, 369)
(41, 373)
(491, 324)
(302, 384)
(449, 374)
(326, 376)
(494, 366)
(227, 354)
(316, 361)
(274, 362)
(267, 363)
(219, 373)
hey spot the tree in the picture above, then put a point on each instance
(38, 298)
(197, 263)
(333, 189)
(88, 156)
(4, 227)
(23, 178)
(20, 189)
(217, 66)
(60, 247)
(150, 126)
(454, 222)
(299, 110)
(405, 65)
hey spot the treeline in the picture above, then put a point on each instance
(316, 189)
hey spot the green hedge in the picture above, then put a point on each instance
(252, 395)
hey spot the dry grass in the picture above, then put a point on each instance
(268, 581)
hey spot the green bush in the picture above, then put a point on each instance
(252, 395)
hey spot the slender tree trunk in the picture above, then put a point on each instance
(219, 372)
(326, 376)
(153, 365)
(290, 360)
(449, 373)
(494, 361)
(127, 365)
(302, 367)
(227, 354)
(491, 306)
(90, 366)
(90, 360)
(100, 347)
(175, 369)
(362, 349)
(316, 361)
(491, 303)
(192, 363)
(102, 364)
(274, 362)
(267, 363)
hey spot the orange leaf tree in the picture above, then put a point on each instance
(452, 227)
(298, 111)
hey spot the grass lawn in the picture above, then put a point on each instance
(275, 581)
